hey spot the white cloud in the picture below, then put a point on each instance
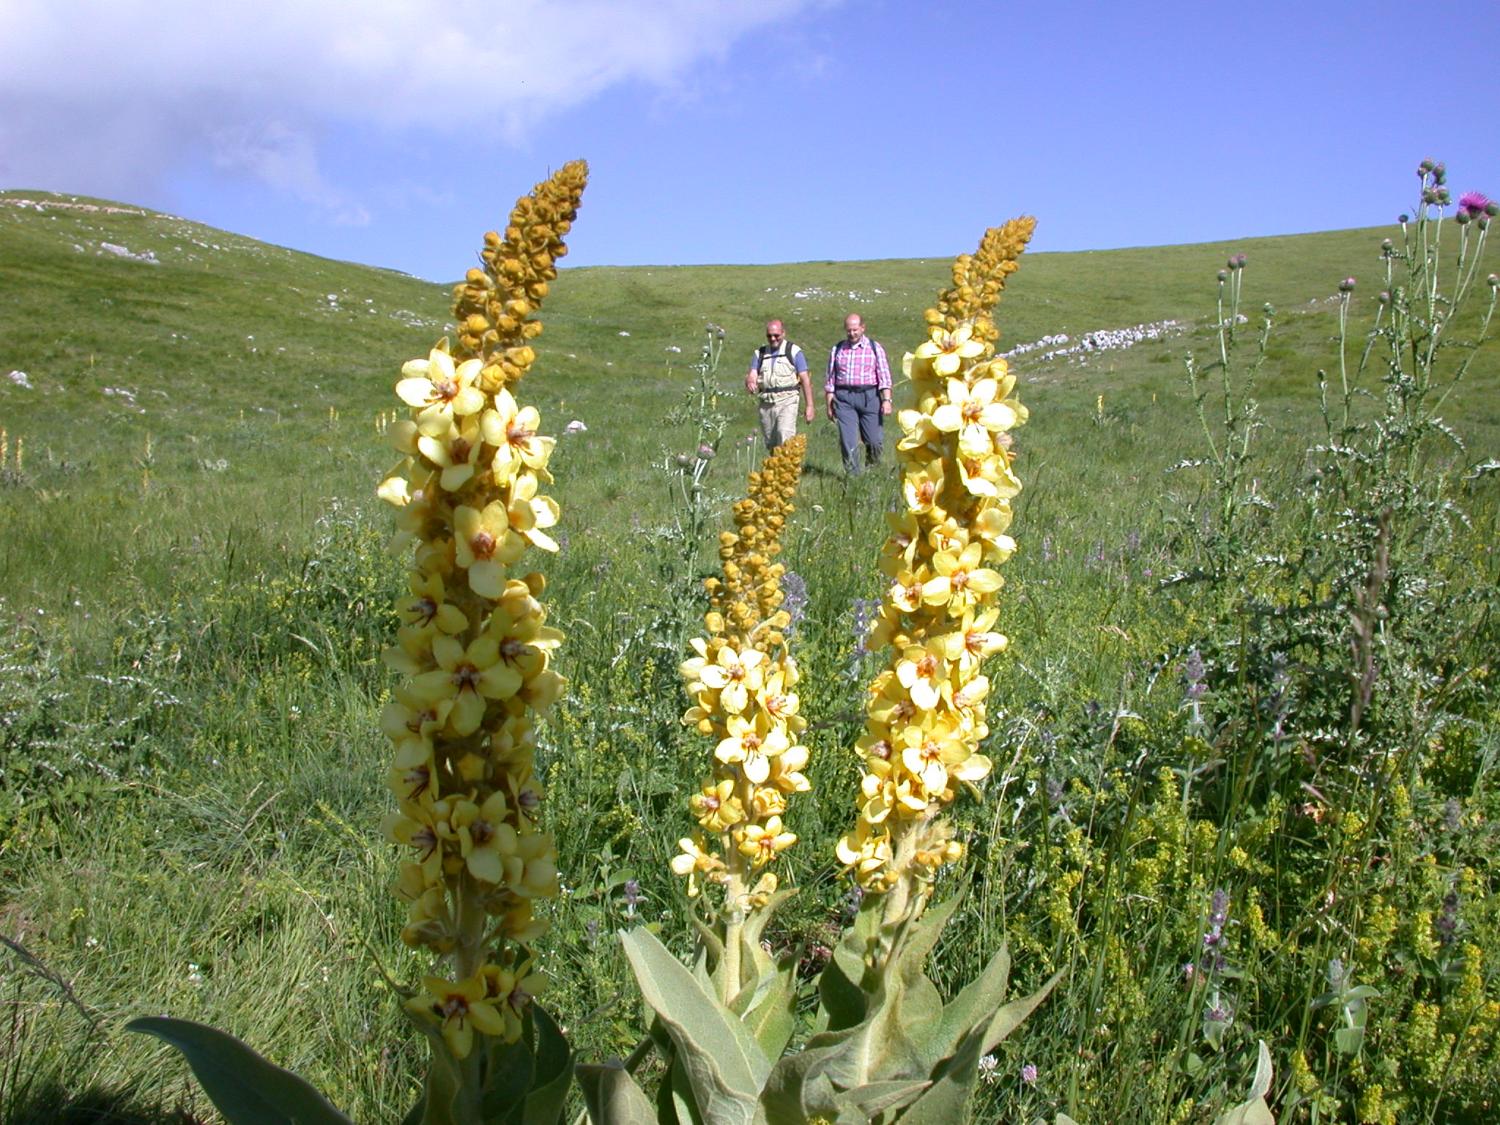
(286, 160)
(108, 97)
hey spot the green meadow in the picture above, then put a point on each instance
(1252, 701)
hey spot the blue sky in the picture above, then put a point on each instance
(394, 132)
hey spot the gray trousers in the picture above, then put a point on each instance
(857, 411)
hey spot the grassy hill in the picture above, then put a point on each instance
(176, 367)
(195, 591)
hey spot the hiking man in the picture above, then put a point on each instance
(778, 377)
(858, 390)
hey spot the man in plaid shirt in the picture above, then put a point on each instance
(858, 390)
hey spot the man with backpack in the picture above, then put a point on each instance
(778, 378)
(858, 390)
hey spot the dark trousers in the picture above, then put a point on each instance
(857, 411)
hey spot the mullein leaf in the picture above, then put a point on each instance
(1254, 1110)
(507, 1077)
(245, 1087)
(952, 1081)
(1010, 1017)
(724, 1064)
(552, 1072)
(771, 1018)
(874, 1098)
(976, 1002)
(612, 1097)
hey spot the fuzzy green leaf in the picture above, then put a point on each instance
(723, 1063)
(876, 1097)
(612, 1097)
(945, 1098)
(676, 1097)
(1010, 1017)
(846, 985)
(552, 1072)
(246, 1088)
(796, 1088)
(507, 1077)
(772, 1017)
(922, 935)
(976, 1002)
(1254, 1110)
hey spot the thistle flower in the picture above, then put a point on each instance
(473, 648)
(742, 681)
(926, 710)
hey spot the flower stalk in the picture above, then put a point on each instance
(742, 681)
(926, 708)
(473, 650)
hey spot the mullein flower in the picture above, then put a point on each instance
(473, 649)
(742, 681)
(925, 715)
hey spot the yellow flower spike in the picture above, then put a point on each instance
(473, 647)
(926, 709)
(717, 807)
(741, 681)
(922, 485)
(441, 390)
(960, 579)
(460, 1008)
(760, 843)
(947, 349)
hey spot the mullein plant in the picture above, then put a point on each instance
(884, 1046)
(474, 654)
(742, 682)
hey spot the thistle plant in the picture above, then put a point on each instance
(474, 655)
(884, 1046)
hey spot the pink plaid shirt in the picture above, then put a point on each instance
(857, 365)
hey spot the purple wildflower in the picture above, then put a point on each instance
(632, 896)
(1446, 923)
(864, 616)
(1028, 1074)
(794, 591)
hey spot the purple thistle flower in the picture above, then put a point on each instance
(1473, 201)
